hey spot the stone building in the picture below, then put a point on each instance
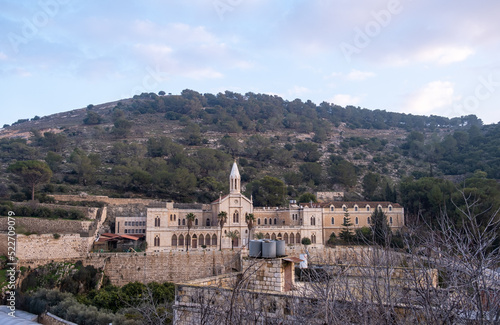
(166, 224)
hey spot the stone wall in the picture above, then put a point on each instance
(160, 267)
(122, 268)
(101, 198)
(47, 226)
(51, 319)
(47, 247)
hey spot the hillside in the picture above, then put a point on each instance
(180, 147)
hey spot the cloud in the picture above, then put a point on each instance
(357, 75)
(298, 91)
(345, 99)
(354, 75)
(444, 54)
(433, 96)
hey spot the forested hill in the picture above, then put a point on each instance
(180, 147)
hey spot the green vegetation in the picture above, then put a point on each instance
(69, 291)
(38, 211)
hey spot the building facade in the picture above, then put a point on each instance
(167, 227)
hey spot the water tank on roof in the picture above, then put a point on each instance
(255, 249)
(268, 249)
(280, 248)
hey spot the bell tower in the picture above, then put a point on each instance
(235, 180)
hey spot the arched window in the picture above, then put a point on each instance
(344, 208)
(380, 208)
(171, 217)
(297, 238)
(292, 238)
(179, 222)
(208, 222)
(390, 207)
(202, 240)
(355, 208)
(275, 220)
(390, 220)
(280, 237)
(313, 221)
(368, 220)
(157, 221)
(183, 222)
(313, 239)
(265, 221)
(273, 236)
(181, 240)
(267, 236)
(356, 220)
(175, 217)
(333, 220)
(214, 240)
(207, 240)
(368, 208)
(285, 238)
(195, 222)
(157, 240)
(332, 208)
(258, 221)
(174, 240)
(236, 217)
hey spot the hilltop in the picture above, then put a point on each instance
(180, 147)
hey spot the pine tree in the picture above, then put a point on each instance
(380, 228)
(346, 234)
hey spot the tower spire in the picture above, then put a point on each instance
(234, 179)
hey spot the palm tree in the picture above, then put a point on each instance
(249, 219)
(233, 235)
(259, 235)
(222, 218)
(190, 218)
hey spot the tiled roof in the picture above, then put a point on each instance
(350, 204)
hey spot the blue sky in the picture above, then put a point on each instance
(414, 56)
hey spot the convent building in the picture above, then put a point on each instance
(166, 224)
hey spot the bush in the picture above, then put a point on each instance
(42, 212)
(306, 241)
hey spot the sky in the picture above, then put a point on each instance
(423, 57)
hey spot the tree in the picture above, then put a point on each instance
(370, 185)
(221, 218)
(84, 165)
(190, 219)
(249, 219)
(268, 191)
(259, 235)
(311, 172)
(307, 151)
(346, 234)
(381, 231)
(92, 118)
(33, 173)
(306, 241)
(232, 235)
(307, 197)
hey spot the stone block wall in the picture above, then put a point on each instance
(101, 198)
(47, 247)
(48, 226)
(122, 268)
(265, 275)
